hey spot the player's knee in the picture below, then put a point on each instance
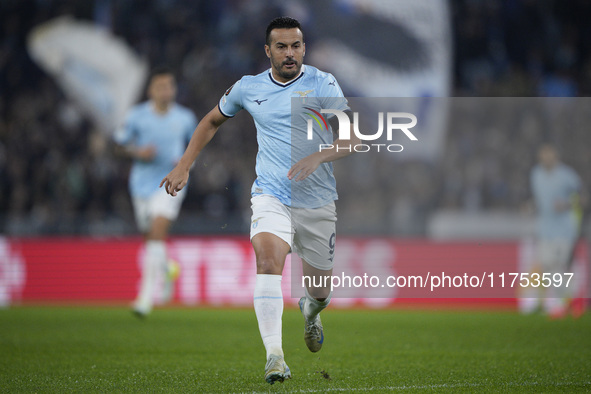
(269, 266)
(158, 229)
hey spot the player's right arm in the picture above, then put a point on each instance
(146, 153)
(206, 129)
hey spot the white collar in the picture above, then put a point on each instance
(291, 80)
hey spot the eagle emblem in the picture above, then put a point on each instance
(304, 93)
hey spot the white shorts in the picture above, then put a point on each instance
(310, 232)
(158, 204)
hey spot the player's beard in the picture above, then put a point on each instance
(287, 74)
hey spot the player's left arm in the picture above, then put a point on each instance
(579, 200)
(576, 197)
(334, 98)
(306, 166)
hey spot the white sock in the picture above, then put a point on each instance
(312, 307)
(268, 306)
(154, 260)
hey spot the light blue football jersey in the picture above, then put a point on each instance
(169, 133)
(550, 187)
(270, 104)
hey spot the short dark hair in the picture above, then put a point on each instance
(160, 70)
(282, 22)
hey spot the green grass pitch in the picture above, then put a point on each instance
(101, 349)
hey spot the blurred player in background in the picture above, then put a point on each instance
(155, 135)
(279, 222)
(556, 191)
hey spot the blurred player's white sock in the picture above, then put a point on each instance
(268, 306)
(528, 305)
(312, 307)
(154, 260)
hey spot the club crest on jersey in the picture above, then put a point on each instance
(304, 93)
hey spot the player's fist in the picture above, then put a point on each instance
(303, 168)
(146, 153)
(175, 180)
(562, 205)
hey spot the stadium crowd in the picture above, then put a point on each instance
(59, 175)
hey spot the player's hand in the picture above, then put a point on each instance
(561, 206)
(175, 180)
(146, 153)
(303, 168)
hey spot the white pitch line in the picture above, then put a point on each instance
(392, 388)
(430, 386)
(424, 387)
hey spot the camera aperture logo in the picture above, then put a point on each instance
(317, 117)
(344, 123)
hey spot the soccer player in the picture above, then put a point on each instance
(281, 220)
(555, 188)
(155, 135)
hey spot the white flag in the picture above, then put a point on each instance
(399, 48)
(99, 72)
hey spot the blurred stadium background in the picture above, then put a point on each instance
(66, 220)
